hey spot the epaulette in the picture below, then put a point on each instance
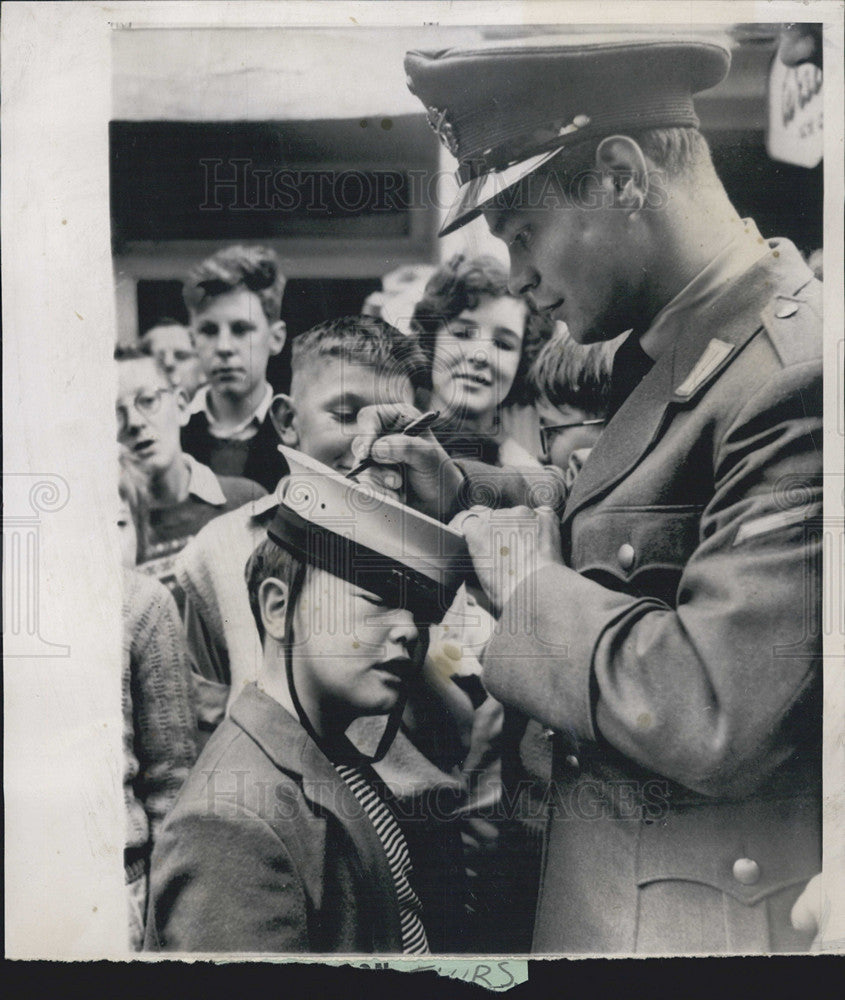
(794, 323)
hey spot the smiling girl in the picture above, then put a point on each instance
(479, 341)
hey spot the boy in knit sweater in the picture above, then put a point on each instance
(158, 720)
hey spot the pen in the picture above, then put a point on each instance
(414, 429)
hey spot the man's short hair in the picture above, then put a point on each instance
(460, 284)
(360, 340)
(567, 373)
(255, 268)
(270, 560)
(679, 153)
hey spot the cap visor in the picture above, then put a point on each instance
(475, 194)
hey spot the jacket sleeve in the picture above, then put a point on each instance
(717, 691)
(511, 486)
(224, 881)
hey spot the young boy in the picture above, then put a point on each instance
(173, 345)
(284, 839)
(181, 494)
(338, 368)
(571, 383)
(234, 299)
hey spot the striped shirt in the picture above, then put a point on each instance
(414, 940)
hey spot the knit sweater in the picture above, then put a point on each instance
(158, 719)
(169, 529)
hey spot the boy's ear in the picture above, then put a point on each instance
(273, 603)
(282, 414)
(278, 336)
(183, 406)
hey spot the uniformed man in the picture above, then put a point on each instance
(670, 634)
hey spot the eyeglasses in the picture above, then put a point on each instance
(548, 434)
(145, 402)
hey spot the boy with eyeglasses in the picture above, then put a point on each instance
(181, 494)
(571, 385)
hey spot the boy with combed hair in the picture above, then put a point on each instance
(234, 299)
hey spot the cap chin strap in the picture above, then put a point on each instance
(340, 750)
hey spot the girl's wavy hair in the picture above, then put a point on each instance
(461, 284)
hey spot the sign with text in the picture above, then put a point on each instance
(795, 133)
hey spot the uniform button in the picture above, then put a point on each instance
(746, 871)
(626, 555)
(572, 761)
(786, 310)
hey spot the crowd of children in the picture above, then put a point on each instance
(287, 836)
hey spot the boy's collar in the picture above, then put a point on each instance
(203, 483)
(201, 404)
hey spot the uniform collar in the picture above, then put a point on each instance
(744, 250)
(202, 399)
(203, 483)
(708, 340)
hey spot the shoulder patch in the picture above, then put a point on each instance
(794, 324)
(714, 354)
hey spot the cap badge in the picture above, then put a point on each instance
(443, 129)
(579, 121)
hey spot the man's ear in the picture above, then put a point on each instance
(278, 336)
(623, 167)
(282, 414)
(183, 406)
(272, 604)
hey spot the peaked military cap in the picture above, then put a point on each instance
(504, 109)
(366, 537)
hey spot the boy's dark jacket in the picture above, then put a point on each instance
(264, 463)
(267, 850)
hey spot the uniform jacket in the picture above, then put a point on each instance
(677, 654)
(267, 850)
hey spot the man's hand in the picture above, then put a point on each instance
(431, 478)
(508, 545)
(807, 912)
